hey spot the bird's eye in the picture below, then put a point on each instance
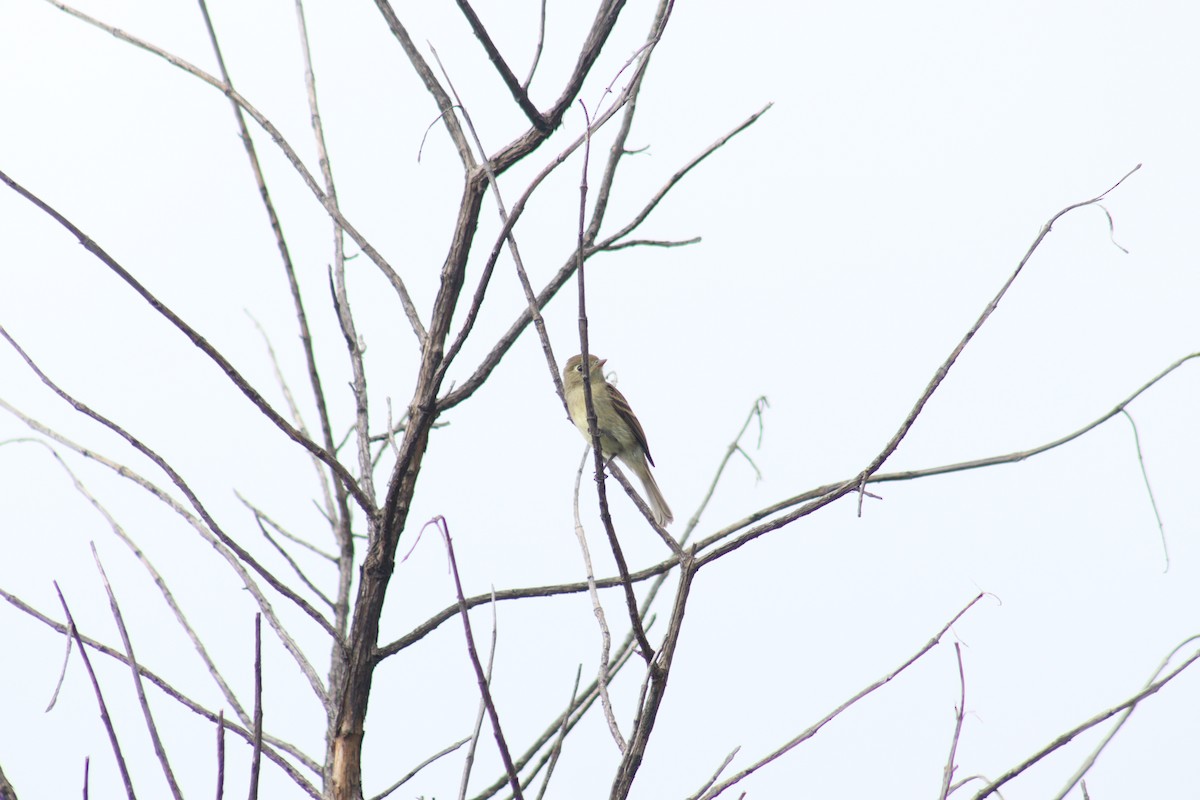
(579, 367)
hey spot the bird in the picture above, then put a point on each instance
(621, 435)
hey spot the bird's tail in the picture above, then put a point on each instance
(658, 503)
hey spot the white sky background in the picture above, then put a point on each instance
(850, 237)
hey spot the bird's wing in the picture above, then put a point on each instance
(622, 407)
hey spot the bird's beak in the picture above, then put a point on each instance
(602, 362)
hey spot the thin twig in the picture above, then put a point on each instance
(468, 387)
(282, 531)
(257, 400)
(421, 67)
(256, 755)
(216, 539)
(330, 511)
(635, 621)
(155, 576)
(213, 528)
(598, 611)
(506, 74)
(522, 275)
(289, 152)
(484, 690)
(1090, 761)
(612, 248)
(104, 715)
(610, 242)
(655, 687)
(959, 712)
(572, 714)
(221, 755)
(1096, 720)
(660, 570)
(159, 751)
(312, 587)
(354, 348)
(562, 732)
(537, 52)
(1162, 533)
(469, 760)
(413, 772)
(717, 774)
(185, 701)
(850, 485)
(906, 475)
(812, 731)
(293, 288)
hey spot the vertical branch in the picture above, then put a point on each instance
(562, 732)
(155, 740)
(659, 671)
(1162, 532)
(104, 716)
(537, 52)
(598, 455)
(598, 611)
(288, 267)
(506, 74)
(474, 741)
(221, 755)
(484, 690)
(948, 770)
(256, 757)
(339, 261)
(522, 275)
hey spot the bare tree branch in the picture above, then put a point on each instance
(1162, 533)
(647, 652)
(199, 341)
(510, 80)
(1096, 720)
(256, 752)
(185, 701)
(598, 611)
(657, 672)
(537, 53)
(853, 484)
(812, 731)
(413, 772)
(220, 755)
(421, 67)
(572, 715)
(104, 715)
(484, 689)
(140, 555)
(562, 732)
(245, 557)
(402, 292)
(469, 760)
(468, 387)
(948, 770)
(990, 461)
(140, 690)
(293, 287)
(1090, 761)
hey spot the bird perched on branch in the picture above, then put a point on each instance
(621, 435)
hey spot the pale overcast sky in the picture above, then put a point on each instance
(849, 239)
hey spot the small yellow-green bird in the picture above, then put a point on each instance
(621, 434)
